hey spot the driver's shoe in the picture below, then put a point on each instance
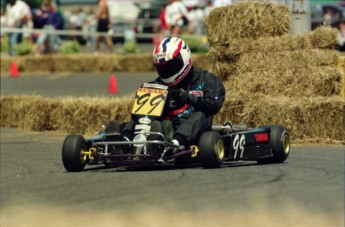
(112, 127)
(127, 136)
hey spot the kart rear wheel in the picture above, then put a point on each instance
(211, 149)
(280, 144)
(72, 157)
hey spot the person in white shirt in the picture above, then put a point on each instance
(218, 3)
(196, 21)
(341, 35)
(176, 16)
(209, 7)
(18, 15)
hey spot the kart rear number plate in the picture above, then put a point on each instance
(149, 102)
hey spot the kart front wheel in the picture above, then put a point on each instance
(211, 149)
(280, 145)
(73, 158)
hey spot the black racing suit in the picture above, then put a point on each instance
(205, 96)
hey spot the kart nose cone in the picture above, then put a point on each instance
(139, 138)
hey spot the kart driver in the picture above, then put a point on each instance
(198, 94)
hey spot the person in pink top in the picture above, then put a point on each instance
(163, 29)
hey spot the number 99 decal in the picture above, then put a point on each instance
(149, 102)
(238, 145)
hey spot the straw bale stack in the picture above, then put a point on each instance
(276, 78)
(30, 112)
(270, 77)
(68, 114)
(323, 37)
(91, 113)
(274, 56)
(247, 20)
(316, 81)
(318, 119)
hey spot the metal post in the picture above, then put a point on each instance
(300, 16)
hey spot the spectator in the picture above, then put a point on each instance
(196, 21)
(89, 27)
(18, 15)
(81, 20)
(163, 26)
(3, 21)
(341, 36)
(37, 23)
(218, 3)
(73, 19)
(209, 7)
(103, 25)
(163, 30)
(176, 17)
(50, 20)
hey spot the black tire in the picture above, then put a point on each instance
(280, 144)
(211, 149)
(72, 148)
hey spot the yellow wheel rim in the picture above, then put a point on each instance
(83, 154)
(220, 149)
(286, 144)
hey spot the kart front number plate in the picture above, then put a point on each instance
(149, 102)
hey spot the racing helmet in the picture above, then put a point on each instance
(172, 59)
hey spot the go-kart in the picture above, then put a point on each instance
(152, 145)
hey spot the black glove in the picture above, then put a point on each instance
(179, 95)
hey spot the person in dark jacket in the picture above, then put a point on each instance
(50, 20)
(197, 93)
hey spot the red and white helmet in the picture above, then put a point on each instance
(172, 59)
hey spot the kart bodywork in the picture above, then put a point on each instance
(224, 142)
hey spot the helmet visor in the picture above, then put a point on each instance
(169, 68)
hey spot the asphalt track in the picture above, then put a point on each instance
(67, 84)
(306, 190)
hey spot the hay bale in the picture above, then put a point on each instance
(40, 115)
(314, 118)
(314, 81)
(29, 113)
(246, 20)
(10, 110)
(135, 63)
(319, 119)
(84, 63)
(322, 38)
(87, 115)
(276, 62)
(267, 45)
(38, 64)
(68, 115)
(5, 65)
(203, 61)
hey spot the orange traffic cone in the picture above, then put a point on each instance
(113, 85)
(14, 70)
